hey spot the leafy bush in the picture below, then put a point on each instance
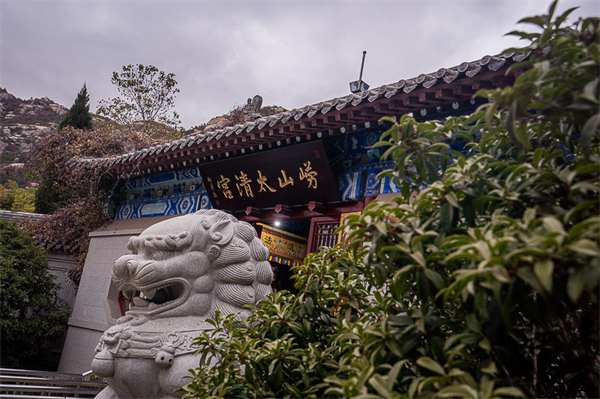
(17, 199)
(32, 316)
(7, 195)
(485, 286)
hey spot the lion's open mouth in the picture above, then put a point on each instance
(165, 295)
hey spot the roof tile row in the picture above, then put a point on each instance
(447, 75)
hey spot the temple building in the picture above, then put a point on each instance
(293, 175)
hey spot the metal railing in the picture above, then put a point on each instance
(23, 384)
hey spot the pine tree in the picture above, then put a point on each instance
(79, 115)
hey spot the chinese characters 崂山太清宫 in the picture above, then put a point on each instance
(244, 183)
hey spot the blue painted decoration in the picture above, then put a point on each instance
(177, 176)
(172, 204)
(349, 184)
(372, 185)
(388, 186)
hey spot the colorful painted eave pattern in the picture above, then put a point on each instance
(424, 81)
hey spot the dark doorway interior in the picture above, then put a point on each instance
(282, 278)
(282, 275)
(299, 227)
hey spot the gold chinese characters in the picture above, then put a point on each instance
(246, 187)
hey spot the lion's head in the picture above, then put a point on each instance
(194, 264)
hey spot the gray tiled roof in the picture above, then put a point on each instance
(443, 75)
(13, 216)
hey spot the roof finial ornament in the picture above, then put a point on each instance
(358, 85)
(251, 110)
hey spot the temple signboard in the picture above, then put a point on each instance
(293, 175)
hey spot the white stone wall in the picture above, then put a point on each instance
(59, 266)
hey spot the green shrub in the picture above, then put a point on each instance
(13, 198)
(32, 316)
(485, 286)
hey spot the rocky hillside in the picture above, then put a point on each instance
(24, 122)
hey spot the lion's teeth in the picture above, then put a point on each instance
(152, 306)
(140, 302)
(149, 293)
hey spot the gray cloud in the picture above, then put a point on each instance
(292, 53)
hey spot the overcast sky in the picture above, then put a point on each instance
(292, 53)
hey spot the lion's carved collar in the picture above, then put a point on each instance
(139, 337)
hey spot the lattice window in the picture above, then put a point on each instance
(322, 233)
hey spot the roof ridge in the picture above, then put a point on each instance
(427, 80)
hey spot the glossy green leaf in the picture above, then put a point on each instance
(508, 392)
(430, 364)
(590, 129)
(435, 278)
(544, 271)
(458, 391)
(585, 246)
(575, 285)
(527, 274)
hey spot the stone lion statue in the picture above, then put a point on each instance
(179, 273)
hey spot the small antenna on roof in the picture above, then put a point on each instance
(358, 85)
